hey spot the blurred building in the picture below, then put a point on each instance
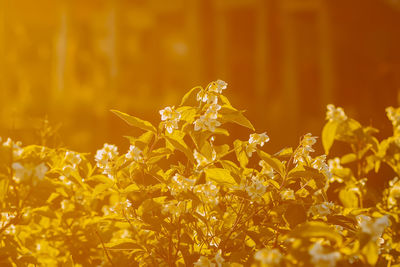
(284, 60)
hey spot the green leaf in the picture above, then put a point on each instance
(158, 154)
(131, 188)
(229, 114)
(3, 188)
(284, 153)
(142, 141)
(226, 102)
(187, 113)
(275, 163)
(371, 252)
(348, 158)
(176, 140)
(328, 135)
(316, 229)
(123, 245)
(240, 151)
(100, 188)
(349, 198)
(229, 165)
(295, 214)
(136, 122)
(189, 94)
(308, 173)
(221, 176)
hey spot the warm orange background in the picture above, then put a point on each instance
(284, 60)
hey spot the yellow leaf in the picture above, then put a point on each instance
(328, 135)
(136, 122)
(220, 176)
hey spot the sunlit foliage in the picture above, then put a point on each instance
(181, 196)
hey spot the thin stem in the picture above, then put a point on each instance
(104, 248)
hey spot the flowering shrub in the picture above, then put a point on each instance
(179, 196)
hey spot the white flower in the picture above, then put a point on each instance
(15, 146)
(174, 207)
(207, 192)
(335, 114)
(204, 262)
(218, 258)
(180, 184)
(208, 121)
(105, 157)
(134, 153)
(201, 160)
(308, 141)
(202, 96)
(322, 209)
(319, 163)
(268, 256)
(287, 194)
(321, 258)
(20, 172)
(170, 118)
(217, 86)
(256, 189)
(40, 170)
(72, 158)
(302, 153)
(374, 228)
(169, 113)
(258, 139)
(255, 140)
(266, 169)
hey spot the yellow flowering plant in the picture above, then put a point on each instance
(181, 197)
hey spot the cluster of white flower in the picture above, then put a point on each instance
(5, 218)
(170, 118)
(174, 207)
(321, 258)
(203, 261)
(207, 192)
(287, 194)
(134, 153)
(202, 160)
(256, 189)
(322, 209)
(208, 121)
(268, 257)
(302, 152)
(373, 227)
(210, 94)
(180, 184)
(72, 160)
(15, 146)
(266, 169)
(254, 141)
(335, 114)
(22, 173)
(319, 163)
(105, 158)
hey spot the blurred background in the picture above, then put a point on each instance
(284, 60)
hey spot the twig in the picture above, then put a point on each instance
(104, 248)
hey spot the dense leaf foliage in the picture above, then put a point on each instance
(179, 196)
